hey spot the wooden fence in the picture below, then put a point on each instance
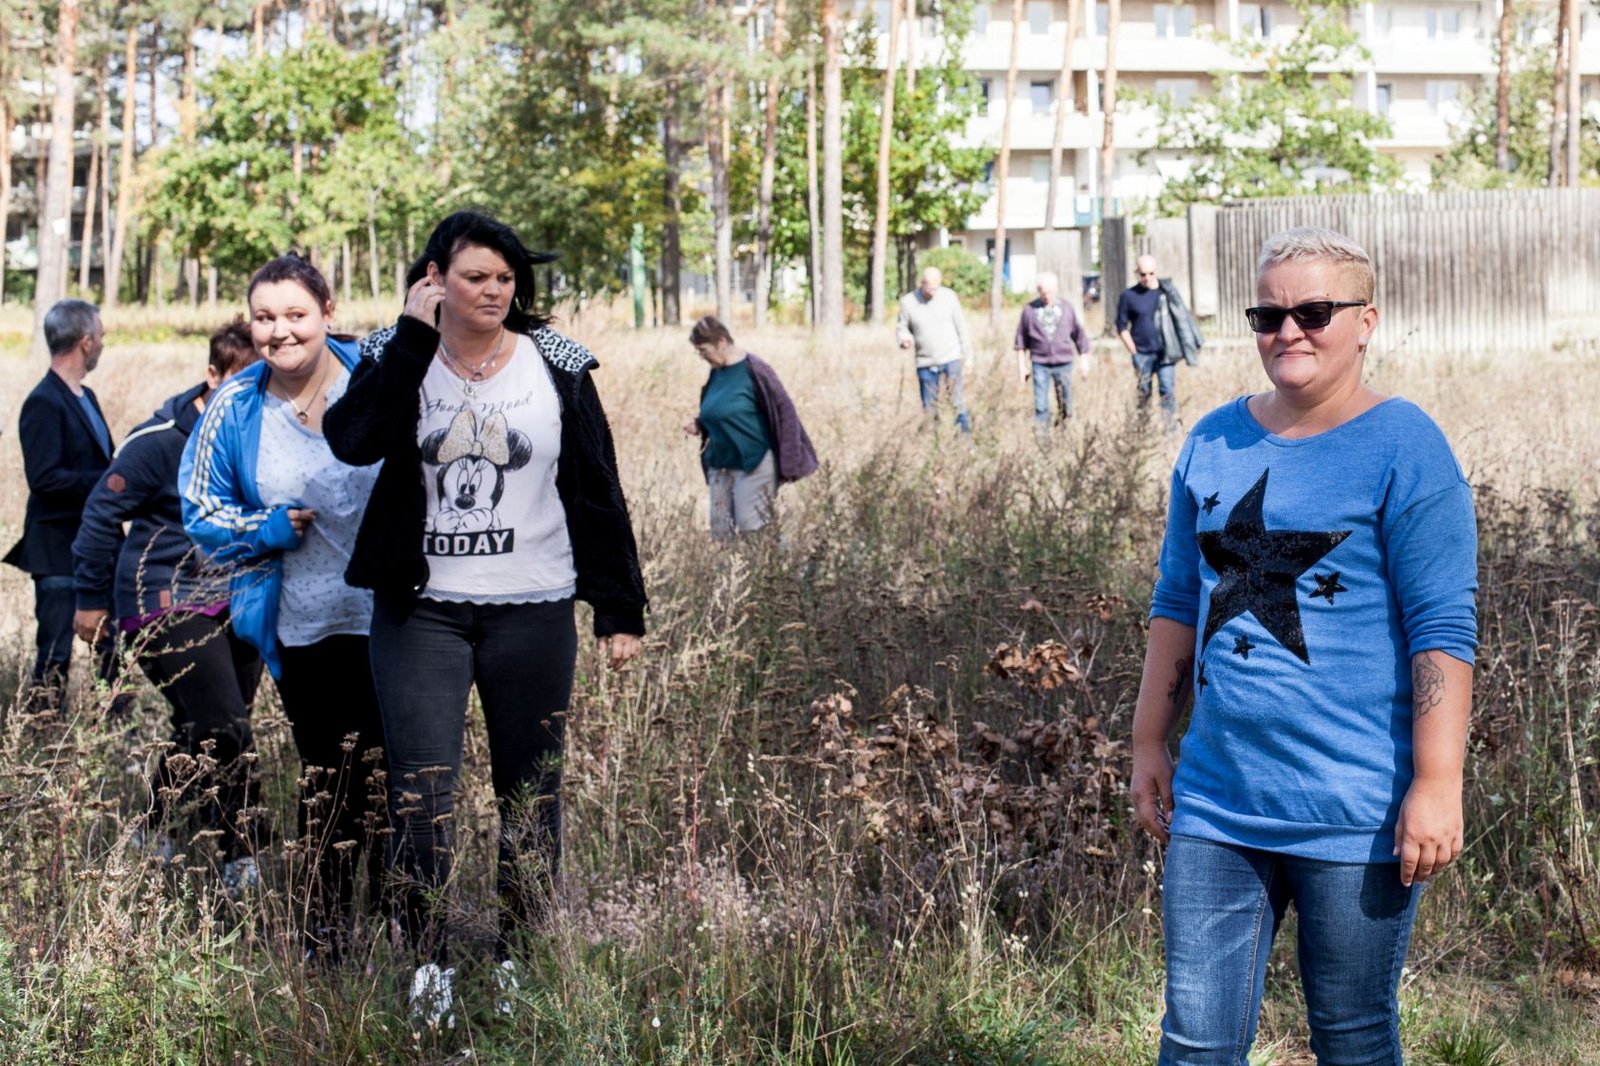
(1458, 272)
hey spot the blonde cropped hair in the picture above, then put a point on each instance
(1305, 244)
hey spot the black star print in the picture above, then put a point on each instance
(1209, 504)
(1327, 586)
(1257, 569)
(1242, 647)
(1203, 681)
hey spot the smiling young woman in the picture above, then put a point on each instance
(1316, 598)
(498, 505)
(263, 495)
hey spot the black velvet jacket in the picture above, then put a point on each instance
(377, 418)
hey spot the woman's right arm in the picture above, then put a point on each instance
(216, 515)
(379, 405)
(1163, 693)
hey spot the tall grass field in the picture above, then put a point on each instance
(863, 797)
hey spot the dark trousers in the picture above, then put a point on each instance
(209, 677)
(521, 657)
(327, 695)
(55, 601)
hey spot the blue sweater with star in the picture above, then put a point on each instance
(1312, 569)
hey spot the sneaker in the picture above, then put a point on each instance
(505, 987)
(431, 996)
(240, 876)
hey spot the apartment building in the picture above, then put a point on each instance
(1426, 58)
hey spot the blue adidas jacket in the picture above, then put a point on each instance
(222, 508)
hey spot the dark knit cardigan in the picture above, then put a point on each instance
(377, 419)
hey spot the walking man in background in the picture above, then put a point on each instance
(1049, 337)
(932, 322)
(66, 446)
(1157, 329)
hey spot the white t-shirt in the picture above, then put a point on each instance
(496, 531)
(296, 468)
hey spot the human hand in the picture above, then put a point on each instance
(1151, 787)
(692, 427)
(1084, 366)
(89, 625)
(423, 300)
(619, 648)
(300, 519)
(1431, 831)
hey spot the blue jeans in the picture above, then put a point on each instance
(931, 379)
(1221, 907)
(1148, 365)
(1043, 378)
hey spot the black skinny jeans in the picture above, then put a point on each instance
(521, 656)
(327, 695)
(209, 676)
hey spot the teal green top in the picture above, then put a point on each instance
(737, 436)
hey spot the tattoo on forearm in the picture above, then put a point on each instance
(1183, 679)
(1427, 685)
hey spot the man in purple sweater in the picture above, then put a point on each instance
(1049, 337)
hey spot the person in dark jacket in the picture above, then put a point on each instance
(751, 439)
(497, 506)
(1159, 333)
(173, 613)
(66, 446)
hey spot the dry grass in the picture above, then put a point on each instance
(816, 823)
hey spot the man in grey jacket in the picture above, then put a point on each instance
(932, 322)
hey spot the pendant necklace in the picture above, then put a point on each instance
(472, 377)
(304, 413)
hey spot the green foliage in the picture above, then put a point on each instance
(300, 150)
(1469, 162)
(964, 272)
(1469, 1044)
(1289, 130)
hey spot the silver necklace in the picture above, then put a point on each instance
(304, 414)
(471, 377)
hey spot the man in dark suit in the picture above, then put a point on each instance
(66, 446)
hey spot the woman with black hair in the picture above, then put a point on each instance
(498, 504)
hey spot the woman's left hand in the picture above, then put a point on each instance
(1431, 831)
(619, 648)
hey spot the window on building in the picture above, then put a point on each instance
(880, 16)
(984, 88)
(1102, 20)
(980, 18)
(1382, 19)
(1174, 20)
(1255, 20)
(1039, 12)
(1383, 97)
(1040, 95)
(1443, 23)
(1039, 169)
(988, 172)
(1179, 90)
(1443, 95)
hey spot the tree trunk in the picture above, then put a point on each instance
(913, 31)
(374, 269)
(769, 167)
(105, 183)
(832, 317)
(1502, 90)
(1063, 108)
(125, 176)
(1002, 170)
(346, 262)
(258, 28)
(55, 235)
(672, 197)
(880, 214)
(719, 91)
(813, 212)
(92, 193)
(188, 109)
(1574, 96)
(1108, 145)
(1558, 98)
(5, 156)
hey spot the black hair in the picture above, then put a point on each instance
(290, 266)
(466, 228)
(232, 348)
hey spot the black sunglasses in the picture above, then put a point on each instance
(1313, 315)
